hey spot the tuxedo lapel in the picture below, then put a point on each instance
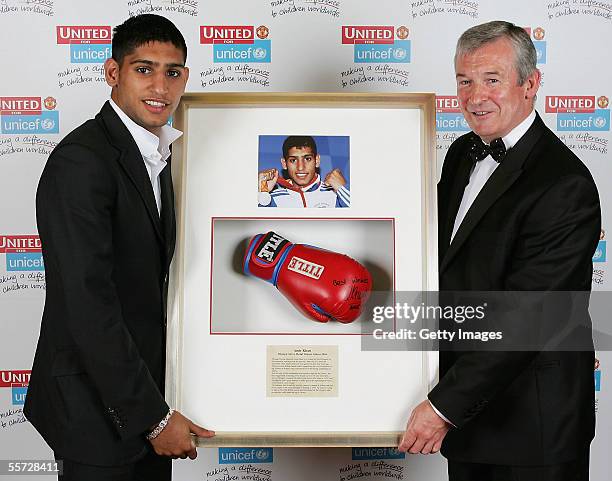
(455, 193)
(499, 182)
(132, 163)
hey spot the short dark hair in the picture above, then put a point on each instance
(145, 28)
(299, 141)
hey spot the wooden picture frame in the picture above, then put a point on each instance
(225, 329)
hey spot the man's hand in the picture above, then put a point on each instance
(266, 180)
(335, 179)
(176, 441)
(425, 431)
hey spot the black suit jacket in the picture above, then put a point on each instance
(97, 378)
(533, 227)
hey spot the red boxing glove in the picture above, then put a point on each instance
(321, 284)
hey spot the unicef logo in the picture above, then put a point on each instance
(399, 53)
(600, 122)
(539, 54)
(47, 124)
(598, 254)
(262, 454)
(259, 53)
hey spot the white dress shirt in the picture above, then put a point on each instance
(484, 169)
(478, 178)
(154, 150)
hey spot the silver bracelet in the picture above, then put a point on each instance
(160, 427)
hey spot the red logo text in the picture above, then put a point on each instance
(570, 104)
(67, 34)
(226, 34)
(367, 34)
(20, 105)
(19, 243)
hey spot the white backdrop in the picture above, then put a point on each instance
(52, 53)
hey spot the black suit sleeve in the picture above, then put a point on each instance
(553, 252)
(74, 205)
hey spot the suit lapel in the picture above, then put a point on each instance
(131, 161)
(499, 182)
(167, 211)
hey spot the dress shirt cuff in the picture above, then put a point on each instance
(440, 414)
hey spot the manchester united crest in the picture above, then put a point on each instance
(50, 103)
(402, 32)
(262, 32)
(603, 102)
(538, 33)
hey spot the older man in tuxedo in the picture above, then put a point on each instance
(518, 211)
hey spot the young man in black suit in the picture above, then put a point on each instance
(518, 211)
(106, 220)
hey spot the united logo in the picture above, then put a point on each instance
(538, 33)
(262, 32)
(50, 103)
(402, 32)
(603, 102)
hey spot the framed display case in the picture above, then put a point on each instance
(241, 359)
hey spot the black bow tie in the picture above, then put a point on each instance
(478, 150)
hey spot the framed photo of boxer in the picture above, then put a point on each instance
(303, 171)
(268, 308)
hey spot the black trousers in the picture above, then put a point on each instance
(150, 468)
(576, 470)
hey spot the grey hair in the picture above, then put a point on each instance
(524, 51)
